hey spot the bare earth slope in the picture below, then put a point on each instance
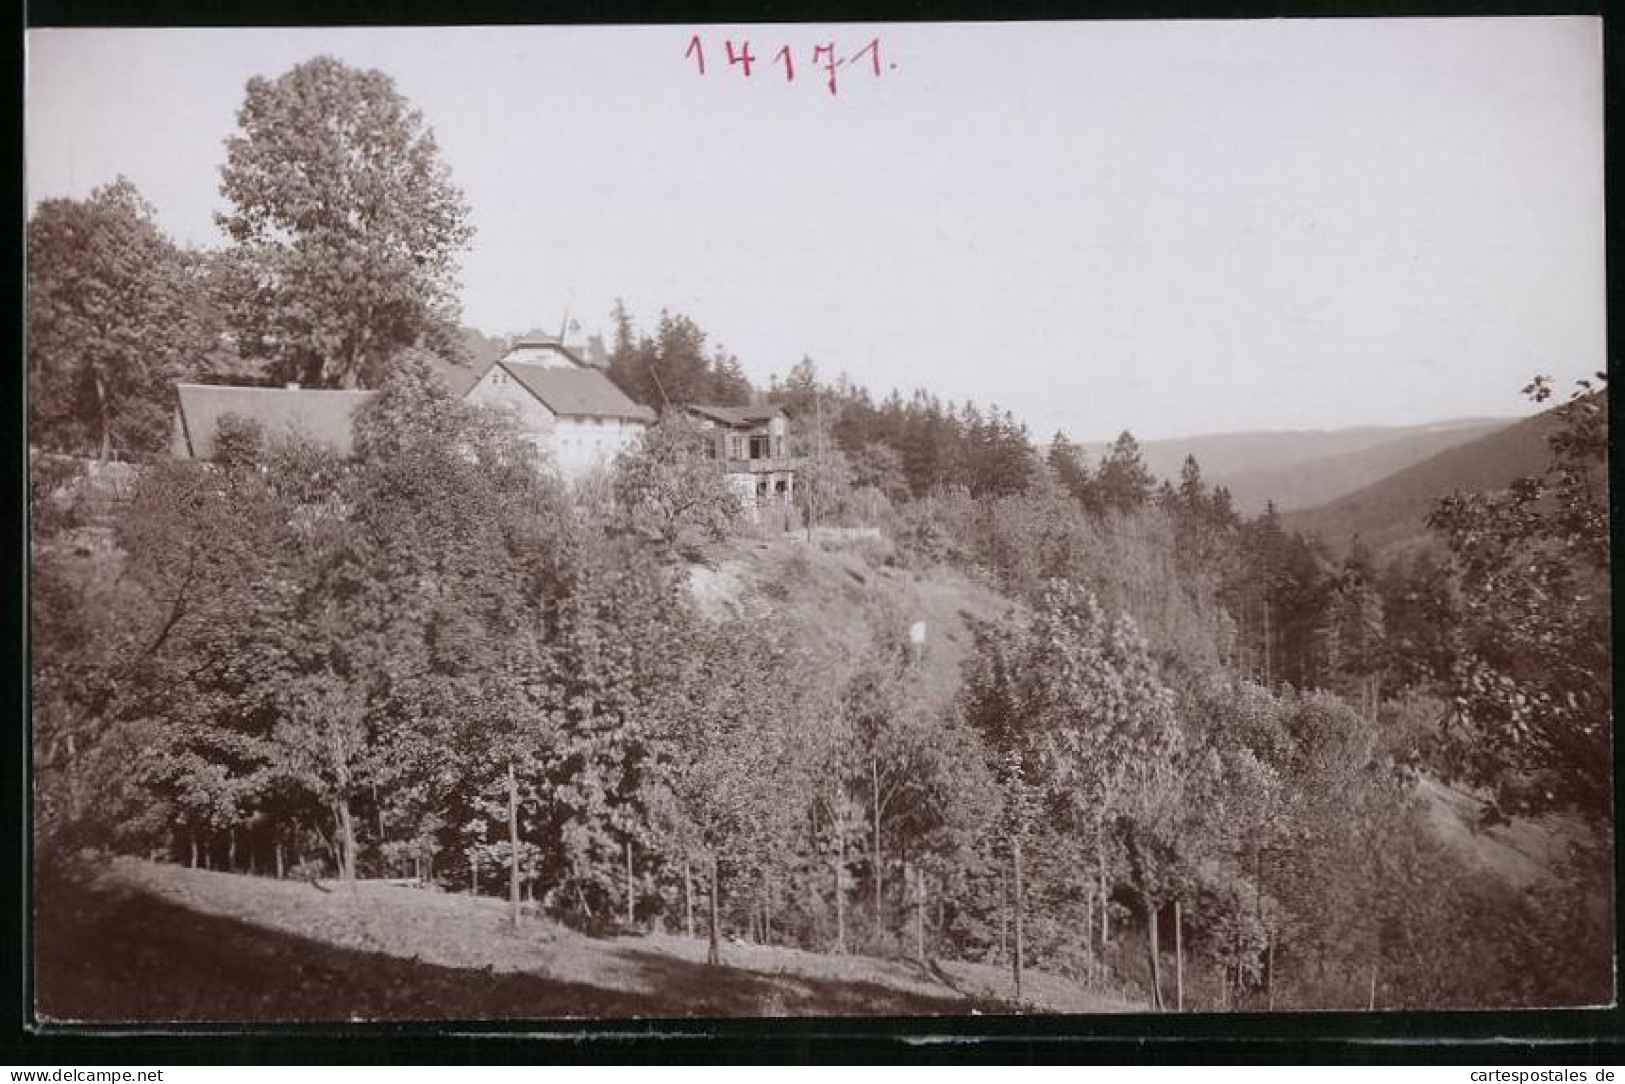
(834, 596)
(139, 941)
(1524, 853)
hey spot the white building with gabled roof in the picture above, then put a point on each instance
(753, 444)
(575, 415)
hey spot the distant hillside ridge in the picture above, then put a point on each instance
(1306, 468)
(1310, 483)
(1394, 510)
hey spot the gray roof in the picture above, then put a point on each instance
(585, 393)
(739, 417)
(318, 415)
(460, 378)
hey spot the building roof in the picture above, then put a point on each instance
(459, 378)
(585, 393)
(318, 415)
(739, 417)
(572, 354)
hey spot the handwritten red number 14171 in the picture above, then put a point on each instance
(824, 57)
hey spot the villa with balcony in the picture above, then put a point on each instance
(753, 443)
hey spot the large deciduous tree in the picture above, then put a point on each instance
(116, 313)
(671, 488)
(1078, 720)
(1532, 686)
(728, 745)
(346, 225)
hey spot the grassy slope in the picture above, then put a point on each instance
(1523, 853)
(137, 941)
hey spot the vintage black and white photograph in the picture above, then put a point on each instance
(817, 520)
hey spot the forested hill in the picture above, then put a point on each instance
(1395, 508)
(1306, 468)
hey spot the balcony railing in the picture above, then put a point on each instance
(766, 465)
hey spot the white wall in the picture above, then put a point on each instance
(582, 444)
(498, 388)
(573, 445)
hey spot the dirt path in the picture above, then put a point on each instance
(139, 941)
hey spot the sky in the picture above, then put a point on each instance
(1176, 228)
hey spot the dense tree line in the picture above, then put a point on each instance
(1525, 571)
(670, 367)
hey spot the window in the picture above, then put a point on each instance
(759, 447)
(736, 446)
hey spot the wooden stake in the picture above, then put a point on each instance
(1019, 945)
(1179, 958)
(714, 951)
(919, 914)
(378, 808)
(840, 869)
(1151, 912)
(1089, 928)
(631, 890)
(767, 907)
(688, 893)
(513, 845)
(1269, 971)
(1105, 910)
(1004, 916)
(874, 764)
